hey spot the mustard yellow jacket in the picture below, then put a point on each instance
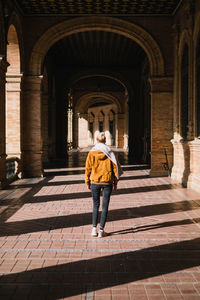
(100, 169)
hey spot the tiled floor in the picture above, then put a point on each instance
(152, 251)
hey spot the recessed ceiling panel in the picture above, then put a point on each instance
(98, 7)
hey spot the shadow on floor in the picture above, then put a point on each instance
(155, 226)
(77, 220)
(87, 276)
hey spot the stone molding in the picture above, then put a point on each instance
(161, 84)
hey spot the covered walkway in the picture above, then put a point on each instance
(152, 251)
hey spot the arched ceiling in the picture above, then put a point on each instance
(98, 84)
(97, 49)
(98, 7)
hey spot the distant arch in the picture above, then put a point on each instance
(85, 101)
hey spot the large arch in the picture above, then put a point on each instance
(66, 28)
(161, 87)
(102, 73)
(17, 23)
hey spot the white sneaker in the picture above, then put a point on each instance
(94, 231)
(102, 234)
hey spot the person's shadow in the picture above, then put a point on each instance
(155, 226)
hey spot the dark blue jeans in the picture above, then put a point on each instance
(106, 191)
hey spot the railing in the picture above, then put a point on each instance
(12, 168)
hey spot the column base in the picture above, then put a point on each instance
(159, 173)
(32, 164)
(181, 168)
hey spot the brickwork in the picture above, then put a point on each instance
(31, 127)
(3, 68)
(13, 130)
(186, 152)
(161, 124)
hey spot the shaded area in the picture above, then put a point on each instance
(75, 278)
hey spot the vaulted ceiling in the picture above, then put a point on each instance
(97, 49)
(98, 7)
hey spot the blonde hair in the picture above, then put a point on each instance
(101, 137)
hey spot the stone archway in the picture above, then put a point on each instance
(85, 101)
(161, 86)
(66, 28)
(81, 116)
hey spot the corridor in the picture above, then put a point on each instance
(152, 251)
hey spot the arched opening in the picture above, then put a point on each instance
(184, 93)
(13, 81)
(137, 48)
(98, 102)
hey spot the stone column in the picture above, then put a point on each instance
(194, 176)
(83, 130)
(161, 124)
(126, 125)
(13, 136)
(3, 68)
(75, 129)
(31, 127)
(120, 129)
(107, 129)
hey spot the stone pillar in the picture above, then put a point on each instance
(31, 127)
(161, 124)
(75, 130)
(194, 176)
(82, 131)
(107, 129)
(3, 68)
(120, 129)
(96, 128)
(13, 136)
(126, 125)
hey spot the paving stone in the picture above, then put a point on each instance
(152, 250)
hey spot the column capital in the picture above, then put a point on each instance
(120, 115)
(14, 77)
(31, 82)
(161, 84)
